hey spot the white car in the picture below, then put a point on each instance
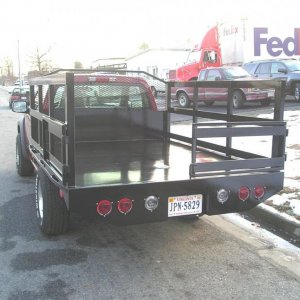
(156, 86)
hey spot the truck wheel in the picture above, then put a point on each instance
(209, 103)
(183, 99)
(238, 99)
(297, 92)
(24, 165)
(51, 210)
(265, 102)
(154, 91)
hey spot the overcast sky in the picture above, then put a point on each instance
(92, 29)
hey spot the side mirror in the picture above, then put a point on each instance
(20, 107)
(282, 70)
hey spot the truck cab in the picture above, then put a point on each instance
(205, 56)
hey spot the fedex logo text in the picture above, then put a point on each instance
(274, 45)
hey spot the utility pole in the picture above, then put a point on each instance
(19, 65)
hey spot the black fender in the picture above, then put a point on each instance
(22, 132)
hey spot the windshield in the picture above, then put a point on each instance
(194, 56)
(236, 72)
(293, 65)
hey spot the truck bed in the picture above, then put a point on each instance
(133, 161)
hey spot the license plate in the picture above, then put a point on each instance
(184, 205)
(23, 98)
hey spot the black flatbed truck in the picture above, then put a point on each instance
(100, 146)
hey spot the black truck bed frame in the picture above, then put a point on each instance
(147, 154)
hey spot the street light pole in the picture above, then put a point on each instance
(19, 65)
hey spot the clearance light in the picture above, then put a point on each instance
(104, 208)
(222, 195)
(61, 194)
(244, 193)
(151, 203)
(125, 205)
(259, 192)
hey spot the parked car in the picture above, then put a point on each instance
(156, 86)
(288, 69)
(211, 94)
(19, 93)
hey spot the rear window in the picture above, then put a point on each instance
(263, 68)
(250, 67)
(111, 95)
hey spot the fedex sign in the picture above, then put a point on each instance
(274, 45)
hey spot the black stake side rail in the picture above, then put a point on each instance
(237, 166)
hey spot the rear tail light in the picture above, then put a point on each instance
(244, 193)
(104, 207)
(222, 195)
(259, 192)
(125, 205)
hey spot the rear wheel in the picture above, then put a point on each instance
(265, 102)
(24, 165)
(238, 99)
(297, 92)
(51, 210)
(209, 103)
(183, 99)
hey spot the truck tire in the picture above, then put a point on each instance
(265, 102)
(238, 99)
(208, 103)
(51, 210)
(297, 92)
(183, 100)
(24, 165)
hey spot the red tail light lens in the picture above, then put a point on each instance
(244, 193)
(104, 208)
(259, 191)
(125, 205)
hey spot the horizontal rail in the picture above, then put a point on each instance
(237, 166)
(258, 129)
(55, 127)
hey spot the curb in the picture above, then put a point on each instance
(279, 220)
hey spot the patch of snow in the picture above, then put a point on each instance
(262, 233)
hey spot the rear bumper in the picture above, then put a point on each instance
(84, 200)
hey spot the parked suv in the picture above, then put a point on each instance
(288, 69)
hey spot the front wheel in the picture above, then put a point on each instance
(51, 210)
(238, 99)
(297, 92)
(183, 100)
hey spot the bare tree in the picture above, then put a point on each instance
(40, 61)
(7, 67)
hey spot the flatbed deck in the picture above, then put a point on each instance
(134, 161)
